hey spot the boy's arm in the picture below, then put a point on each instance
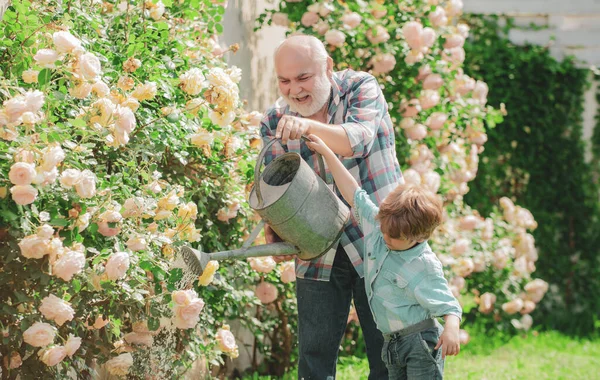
(343, 179)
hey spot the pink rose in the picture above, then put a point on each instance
(262, 264)
(321, 27)
(407, 122)
(380, 35)
(186, 317)
(480, 92)
(53, 155)
(124, 119)
(86, 186)
(454, 55)
(463, 337)
(383, 63)
(379, 12)
(478, 137)
(351, 20)
(117, 265)
(416, 133)
(81, 90)
(411, 177)
(184, 297)
(23, 195)
(288, 272)
(100, 89)
(34, 247)
(438, 17)
(335, 38)
(424, 71)
(105, 230)
(454, 7)
(486, 303)
(463, 267)
(413, 57)
(433, 82)
(412, 34)
(119, 365)
(513, 306)
(69, 264)
(428, 37)
(436, 120)
(15, 361)
(469, 222)
(266, 292)
(136, 243)
(89, 66)
(280, 19)
(528, 307)
(53, 355)
(56, 309)
(463, 30)
(453, 41)
(72, 345)
(429, 99)
(460, 247)
(226, 341)
(40, 334)
(410, 108)
(536, 290)
(99, 323)
(69, 177)
(309, 19)
(458, 282)
(143, 339)
(432, 180)
(21, 173)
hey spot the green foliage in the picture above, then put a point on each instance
(538, 158)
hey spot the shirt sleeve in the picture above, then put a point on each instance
(365, 210)
(434, 294)
(366, 108)
(268, 126)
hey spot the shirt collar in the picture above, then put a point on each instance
(412, 253)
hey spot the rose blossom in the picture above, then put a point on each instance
(432, 181)
(454, 40)
(69, 264)
(72, 345)
(46, 58)
(40, 334)
(280, 19)
(209, 273)
(416, 133)
(463, 267)
(89, 66)
(14, 108)
(309, 19)
(23, 195)
(383, 63)
(100, 89)
(145, 91)
(412, 33)
(65, 42)
(429, 99)
(428, 37)
(81, 91)
(70, 177)
(469, 222)
(144, 339)
(459, 247)
(513, 306)
(186, 317)
(454, 55)
(528, 307)
(411, 177)
(124, 119)
(117, 265)
(413, 57)
(424, 71)
(486, 303)
(21, 173)
(226, 342)
(351, 20)
(83, 221)
(287, 272)
(53, 355)
(15, 361)
(335, 37)
(480, 92)
(86, 186)
(30, 76)
(463, 30)
(136, 243)
(454, 7)
(433, 82)
(56, 309)
(34, 247)
(262, 264)
(436, 120)
(380, 35)
(438, 17)
(183, 297)
(119, 365)
(53, 155)
(266, 292)
(131, 64)
(192, 81)
(536, 289)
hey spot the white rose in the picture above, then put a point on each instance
(192, 81)
(65, 42)
(72, 345)
(30, 76)
(68, 265)
(23, 195)
(70, 177)
(335, 38)
(53, 355)
(81, 90)
(34, 100)
(157, 11)
(83, 221)
(124, 119)
(134, 207)
(280, 19)
(136, 243)
(53, 155)
(144, 339)
(56, 309)
(145, 91)
(14, 108)
(34, 247)
(89, 66)
(46, 58)
(86, 187)
(40, 334)
(111, 216)
(22, 173)
(117, 265)
(45, 231)
(221, 119)
(100, 89)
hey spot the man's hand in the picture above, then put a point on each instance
(449, 341)
(272, 237)
(291, 128)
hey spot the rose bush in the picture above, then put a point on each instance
(122, 137)
(415, 51)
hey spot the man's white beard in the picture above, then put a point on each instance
(319, 96)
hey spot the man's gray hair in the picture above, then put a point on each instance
(317, 48)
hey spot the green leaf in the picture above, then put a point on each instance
(78, 123)
(76, 285)
(59, 222)
(153, 324)
(44, 77)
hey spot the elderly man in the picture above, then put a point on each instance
(347, 110)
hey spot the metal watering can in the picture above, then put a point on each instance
(296, 203)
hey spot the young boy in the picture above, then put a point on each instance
(404, 279)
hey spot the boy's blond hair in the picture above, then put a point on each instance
(410, 213)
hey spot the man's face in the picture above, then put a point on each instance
(303, 83)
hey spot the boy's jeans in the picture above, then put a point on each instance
(413, 356)
(322, 318)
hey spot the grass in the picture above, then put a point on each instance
(549, 355)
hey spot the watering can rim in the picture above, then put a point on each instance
(253, 190)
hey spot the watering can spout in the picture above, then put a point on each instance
(196, 260)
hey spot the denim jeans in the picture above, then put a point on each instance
(323, 308)
(412, 357)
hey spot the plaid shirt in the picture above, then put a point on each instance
(357, 105)
(403, 287)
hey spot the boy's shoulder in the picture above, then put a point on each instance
(429, 262)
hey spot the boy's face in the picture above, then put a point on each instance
(398, 244)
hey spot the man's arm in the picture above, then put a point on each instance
(292, 128)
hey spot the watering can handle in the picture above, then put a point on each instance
(261, 157)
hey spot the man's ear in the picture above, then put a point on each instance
(329, 67)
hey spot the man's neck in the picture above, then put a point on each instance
(321, 115)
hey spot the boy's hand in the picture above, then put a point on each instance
(317, 145)
(449, 341)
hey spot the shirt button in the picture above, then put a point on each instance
(376, 270)
(369, 254)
